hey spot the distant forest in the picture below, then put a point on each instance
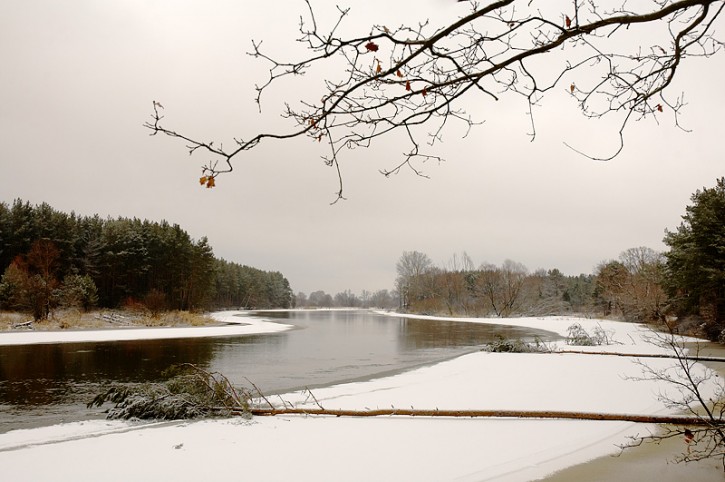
(49, 258)
(683, 287)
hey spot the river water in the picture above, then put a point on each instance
(46, 384)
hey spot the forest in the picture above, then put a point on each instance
(51, 259)
(629, 288)
(684, 285)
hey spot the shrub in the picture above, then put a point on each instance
(505, 345)
(191, 393)
(155, 301)
(580, 337)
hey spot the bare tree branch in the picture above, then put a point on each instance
(413, 79)
(691, 389)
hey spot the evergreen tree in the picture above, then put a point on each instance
(112, 262)
(695, 274)
(78, 291)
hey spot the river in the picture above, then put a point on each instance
(46, 384)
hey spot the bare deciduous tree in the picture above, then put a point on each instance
(632, 285)
(454, 286)
(501, 287)
(412, 268)
(693, 389)
(613, 58)
(646, 268)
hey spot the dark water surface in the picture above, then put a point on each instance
(50, 383)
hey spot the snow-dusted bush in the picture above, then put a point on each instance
(191, 393)
(505, 345)
(578, 336)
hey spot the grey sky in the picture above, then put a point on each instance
(77, 80)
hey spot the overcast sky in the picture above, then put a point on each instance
(77, 81)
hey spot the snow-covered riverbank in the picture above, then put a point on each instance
(384, 448)
(235, 324)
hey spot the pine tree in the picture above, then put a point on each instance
(696, 260)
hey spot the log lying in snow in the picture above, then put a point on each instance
(644, 355)
(113, 318)
(530, 414)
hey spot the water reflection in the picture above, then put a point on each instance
(422, 334)
(51, 382)
(48, 374)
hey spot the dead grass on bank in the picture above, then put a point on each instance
(73, 319)
(179, 318)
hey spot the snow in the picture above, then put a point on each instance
(236, 323)
(379, 448)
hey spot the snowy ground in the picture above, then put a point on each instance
(235, 324)
(376, 449)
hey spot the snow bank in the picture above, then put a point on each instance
(316, 449)
(237, 323)
(384, 448)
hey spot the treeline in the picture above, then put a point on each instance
(628, 288)
(684, 286)
(246, 287)
(49, 258)
(347, 299)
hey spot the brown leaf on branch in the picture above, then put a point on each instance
(210, 182)
(202, 180)
(399, 73)
(567, 20)
(572, 87)
(407, 85)
(372, 46)
(659, 107)
(379, 68)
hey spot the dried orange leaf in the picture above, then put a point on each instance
(572, 87)
(568, 21)
(210, 182)
(407, 85)
(399, 73)
(379, 68)
(202, 180)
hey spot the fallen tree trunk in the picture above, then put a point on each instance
(644, 355)
(528, 414)
(25, 324)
